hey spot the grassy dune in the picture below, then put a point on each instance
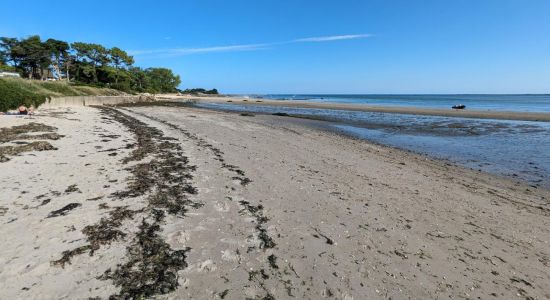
(16, 91)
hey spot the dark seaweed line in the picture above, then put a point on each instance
(240, 175)
(266, 242)
(256, 211)
(20, 132)
(15, 132)
(152, 265)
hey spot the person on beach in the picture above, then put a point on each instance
(21, 110)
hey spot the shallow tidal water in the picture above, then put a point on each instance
(524, 103)
(515, 149)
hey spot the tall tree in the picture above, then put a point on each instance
(80, 51)
(162, 80)
(4, 63)
(33, 56)
(85, 62)
(3, 58)
(94, 54)
(139, 79)
(7, 45)
(58, 51)
(68, 61)
(120, 58)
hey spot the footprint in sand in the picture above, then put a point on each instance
(207, 266)
(231, 256)
(221, 206)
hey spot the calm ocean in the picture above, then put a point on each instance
(532, 103)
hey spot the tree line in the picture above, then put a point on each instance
(82, 63)
(201, 91)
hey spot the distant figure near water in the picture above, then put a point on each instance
(459, 106)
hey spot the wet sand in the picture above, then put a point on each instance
(182, 202)
(466, 113)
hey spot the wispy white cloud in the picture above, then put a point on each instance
(188, 51)
(332, 38)
(171, 52)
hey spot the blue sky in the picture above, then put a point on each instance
(284, 46)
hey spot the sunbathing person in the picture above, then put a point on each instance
(21, 110)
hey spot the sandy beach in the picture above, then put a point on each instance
(181, 202)
(466, 113)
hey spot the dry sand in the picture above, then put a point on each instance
(178, 203)
(466, 113)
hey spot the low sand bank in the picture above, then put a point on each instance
(181, 202)
(498, 115)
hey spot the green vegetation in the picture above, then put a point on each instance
(83, 63)
(201, 91)
(16, 91)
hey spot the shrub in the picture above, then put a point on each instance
(13, 93)
(16, 91)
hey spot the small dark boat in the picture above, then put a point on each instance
(459, 106)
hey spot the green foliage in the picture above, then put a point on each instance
(84, 63)
(57, 47)
(58, 52)
(17, 91)
(32, 55)
(13, 93)
(93, 56)
(60, 88)
(7, 68)
(7, 46)
(161, 80)
(120, 57)
(93, 53)
(201, 91)
(3, 58)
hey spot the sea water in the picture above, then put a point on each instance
(515, 149)
(524, 103)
